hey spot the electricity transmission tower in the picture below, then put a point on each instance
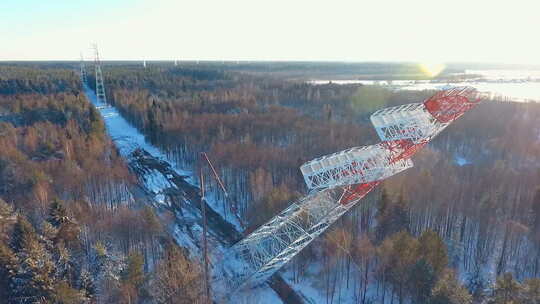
(100, 86)
(338, 181)
(84, 76)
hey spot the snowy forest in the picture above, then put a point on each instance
(71, 230)
(461, 226)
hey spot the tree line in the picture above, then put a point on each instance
(259, 129)
(71, 229)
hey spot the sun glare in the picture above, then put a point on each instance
(432, 69)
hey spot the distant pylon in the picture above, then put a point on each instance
(84, 77)
(100, 86)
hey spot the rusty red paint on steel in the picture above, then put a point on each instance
(357, 191)
(446, 106)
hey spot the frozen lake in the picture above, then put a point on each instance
(520, 86)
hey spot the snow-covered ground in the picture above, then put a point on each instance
(461, 161)
(187, 231)
(127, 138)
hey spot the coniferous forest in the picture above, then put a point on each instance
(71, 231)
(76, 228)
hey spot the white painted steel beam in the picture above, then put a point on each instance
(353, 166)
(410, 121)
(275, 243)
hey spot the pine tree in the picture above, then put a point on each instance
(21, 231)
(382, 213)
(531, 291)
(67, 230)
(7, 218)
(134, 273)
(35, 279)
(392, 217)
(9, 267)
(477, 284)
(87, 286)
(506, 290)
(421, 281)
(96, 128)
(64, 264)
(133, 277)
(176, 279)
(402, 255)
(64, 293)
(433, 249)
(5, 209)
(57, 214)
(448, 290)
(106, 270)
(401, 219)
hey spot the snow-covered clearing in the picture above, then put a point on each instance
(127, 138)
(187, 229)
(461, 161)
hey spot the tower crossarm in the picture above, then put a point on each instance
(406, 122)
(275, 243)
(266, 253)
(337, 182)
(353, 166)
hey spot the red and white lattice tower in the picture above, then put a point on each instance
(338, 181)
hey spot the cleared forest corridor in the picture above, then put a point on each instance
(172, 189)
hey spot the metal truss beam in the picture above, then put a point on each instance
(275, 243)
(100, 86)
(353, 166)
(409, 121)
(447, 106)
(271, 246)
(84, 78)
(340, 180)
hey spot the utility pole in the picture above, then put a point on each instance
(206, 284)
(204, 158)
(215, 173)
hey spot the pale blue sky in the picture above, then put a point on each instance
(348, 30)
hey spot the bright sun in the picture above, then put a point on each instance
(432, 69)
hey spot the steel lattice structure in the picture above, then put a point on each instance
(353, 166)
(338, 181)
(83, 71)
(100, 86)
